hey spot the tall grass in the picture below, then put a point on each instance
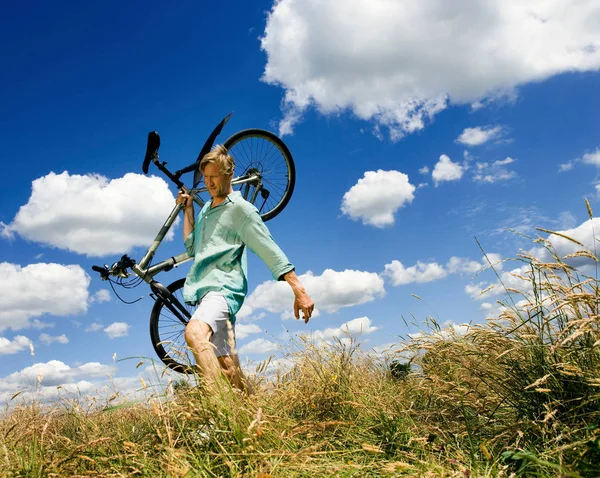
(518, 395)
(525, 386)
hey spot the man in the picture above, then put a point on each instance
(217, 241)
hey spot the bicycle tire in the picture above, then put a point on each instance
(167, 333)
(254, 149)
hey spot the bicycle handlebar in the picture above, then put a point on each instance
(102, 270)
(119, 268)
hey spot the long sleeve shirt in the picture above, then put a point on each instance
(218, 245)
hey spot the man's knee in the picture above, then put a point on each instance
(197, 331)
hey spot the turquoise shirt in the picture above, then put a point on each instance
(218, 246)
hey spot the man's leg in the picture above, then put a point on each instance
(224, 341)
(198, 335)
(230, 364)
(211, 336)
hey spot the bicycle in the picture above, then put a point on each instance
(268, 175)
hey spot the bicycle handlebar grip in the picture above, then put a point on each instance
(104, 273)
(151, 149)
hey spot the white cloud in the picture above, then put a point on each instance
(503, 162)
(279, 365)
(93, 215)
(448, 331)
(117, 329)
(94, 381)
(103, 295)
(53, 373)
(477, 136)
(39, 394)
(424, 170)
(354, 328)
(94, 327)
(592, 158)
(585, 233)
(421, 272)
(400, 62)
(446, 170)
(566, 166)
(387, 350)
(48, 339)
(243, 330)
(377, 196)
(508, 279)
(37, 289)
(494, 260)
(460, 264)
(331, 291)
(475, 290)
(9, 347)
(259, 346)
(494, 172)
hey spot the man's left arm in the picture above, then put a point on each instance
(256, 236)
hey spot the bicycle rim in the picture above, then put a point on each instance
(167, 333)
(262, 151)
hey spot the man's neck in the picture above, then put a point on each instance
(220, 199)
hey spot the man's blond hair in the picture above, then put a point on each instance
(221, 158)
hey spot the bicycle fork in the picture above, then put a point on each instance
(171, 302)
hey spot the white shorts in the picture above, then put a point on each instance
(213, 311)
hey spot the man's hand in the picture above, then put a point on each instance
(183, 199)
(188, 212)
(302, 302)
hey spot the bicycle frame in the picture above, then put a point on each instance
(143, 269)
(266, 169)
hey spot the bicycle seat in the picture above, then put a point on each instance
(151, 150)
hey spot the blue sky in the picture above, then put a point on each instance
(414, 130)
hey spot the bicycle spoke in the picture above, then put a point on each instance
(259, 151)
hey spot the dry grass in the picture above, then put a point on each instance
(337, 412)
(526, 384)
(516, 396)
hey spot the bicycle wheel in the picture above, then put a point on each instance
(167, 332)
(262, 152)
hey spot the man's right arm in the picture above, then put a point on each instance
(188, 213)
(188, 220)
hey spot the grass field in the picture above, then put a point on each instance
(518, 395)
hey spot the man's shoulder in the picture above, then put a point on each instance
(240, 205)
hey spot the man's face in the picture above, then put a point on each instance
(219, 185)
